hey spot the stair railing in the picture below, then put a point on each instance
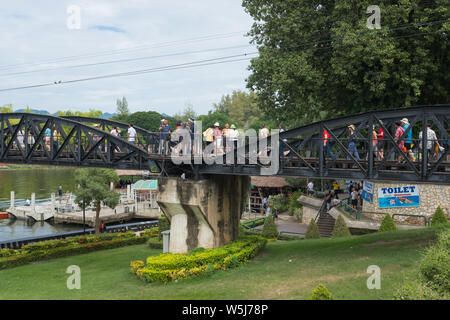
(321, 210)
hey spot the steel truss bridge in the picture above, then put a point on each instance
(75, 141)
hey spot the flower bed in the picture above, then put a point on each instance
(66, 247)
(168, 267)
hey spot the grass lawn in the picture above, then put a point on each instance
(283, 270)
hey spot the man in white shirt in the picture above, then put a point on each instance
(310, 187)
(131, 134)
(432, 141)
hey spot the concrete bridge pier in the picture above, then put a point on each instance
(203, 213)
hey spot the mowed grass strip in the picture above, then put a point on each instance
(283, 270)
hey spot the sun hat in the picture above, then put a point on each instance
(216, 124)
(405, 120)
(351, 126)
(233, 126)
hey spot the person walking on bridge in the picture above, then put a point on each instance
(380, 137)
(352, 143)
(398, 133)
(131, 134)
(326, 145)
(218, 139)
(408, 140)
(164, 137)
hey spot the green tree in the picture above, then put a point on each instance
(387, 224)
(7, 108)
(340, 228)
(270, 229)
(240, 106)
(94, 189)
(187, 113)
(312, 231)
(319, 61)
(439, 217)
(122, 106)
(213, 117)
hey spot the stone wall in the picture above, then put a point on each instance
(310, 208)
(431, 196)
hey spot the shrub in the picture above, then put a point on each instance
(136, 265)
(439, 217)
(163, 225)
(435, 264)
(168, 267)
(340, 228)
(417, 291)
(270, 229)
(387, 224)
(155, 243)
(312, 231)
(293, 202)
(280, 201)
(298, 214)
(321, 293)
(433, 281)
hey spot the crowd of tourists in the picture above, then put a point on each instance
(403, 137)
(224, 138)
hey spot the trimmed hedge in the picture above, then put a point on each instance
(168, 267)
(155, 243)
(66, 247)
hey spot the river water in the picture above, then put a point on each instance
(42, 181)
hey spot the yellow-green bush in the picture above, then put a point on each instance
(168, 266)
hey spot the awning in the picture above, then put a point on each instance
(148, 185)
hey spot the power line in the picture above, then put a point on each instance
(127, 50)
(126, 60)
(143, 71)
(209, 61)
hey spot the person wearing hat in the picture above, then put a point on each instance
(408, 139)
(233, 135)
(225, 134)
(398, 133)
(351, 143)
(218, 138)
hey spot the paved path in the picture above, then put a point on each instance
(287, 224)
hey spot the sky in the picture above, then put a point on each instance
(48, 41)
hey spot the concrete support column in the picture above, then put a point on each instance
(203, 213)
